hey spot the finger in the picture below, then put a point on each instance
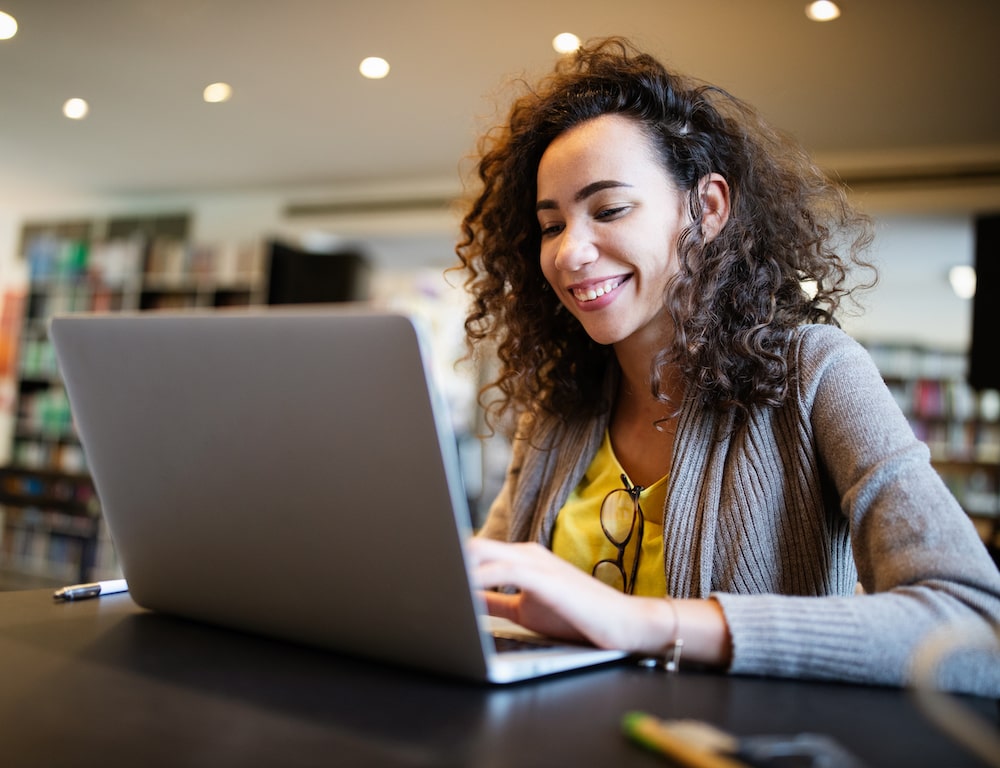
(479, 549)
(502, 605)
(494, 574)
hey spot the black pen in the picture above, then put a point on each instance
(95, 589)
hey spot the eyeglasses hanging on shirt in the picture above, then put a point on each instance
(621, 521)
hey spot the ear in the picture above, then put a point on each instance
(714, 192)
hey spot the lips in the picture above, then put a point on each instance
(594, 291)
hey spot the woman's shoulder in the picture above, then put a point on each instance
(819, 342)
(822, 336)
(826, 352)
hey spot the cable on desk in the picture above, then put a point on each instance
(944, 710)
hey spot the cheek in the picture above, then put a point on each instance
(671, 237)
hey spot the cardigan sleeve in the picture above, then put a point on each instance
(920, 561)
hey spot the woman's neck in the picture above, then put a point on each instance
(642, 425)
(635, 357)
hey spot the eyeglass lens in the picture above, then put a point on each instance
(620, 515)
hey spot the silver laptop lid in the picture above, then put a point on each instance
(240, 490)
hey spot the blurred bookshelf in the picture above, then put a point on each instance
(51, 529)
(50, 523)
(960, 425)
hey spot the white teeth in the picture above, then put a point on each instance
(596, 291)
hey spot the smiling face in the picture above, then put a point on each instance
(610, 218)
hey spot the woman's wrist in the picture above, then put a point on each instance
(694, 625)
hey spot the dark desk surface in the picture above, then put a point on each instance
(103, 682)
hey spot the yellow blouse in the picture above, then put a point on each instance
(579, 538)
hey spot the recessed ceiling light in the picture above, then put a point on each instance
(8, 26)
(565, 42)
(217, 92)
(374, 68)
(822, 10)
(76, 109)
(963, 281)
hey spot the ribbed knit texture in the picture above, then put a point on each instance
(829, 488)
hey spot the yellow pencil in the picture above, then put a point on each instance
(690, 742)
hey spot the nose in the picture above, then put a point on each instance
(575, 249)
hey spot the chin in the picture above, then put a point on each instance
(606, 337)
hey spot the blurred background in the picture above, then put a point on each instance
(193, 154)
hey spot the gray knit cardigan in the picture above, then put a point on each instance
(780, 522)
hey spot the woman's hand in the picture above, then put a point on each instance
(559, 600)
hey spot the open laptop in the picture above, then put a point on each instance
(291, 473)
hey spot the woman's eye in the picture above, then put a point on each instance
(611, 213)
(551, 229)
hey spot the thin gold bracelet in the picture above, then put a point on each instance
(672, 661)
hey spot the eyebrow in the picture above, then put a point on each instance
(592, 188)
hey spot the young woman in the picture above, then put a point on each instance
(701, 456)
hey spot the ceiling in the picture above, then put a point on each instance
(893, 87)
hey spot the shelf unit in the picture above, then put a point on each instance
(110, 265)
(960, 426)
(51, 529)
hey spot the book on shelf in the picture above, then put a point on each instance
(51, 543)
(115, 263)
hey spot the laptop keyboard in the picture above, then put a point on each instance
(507, 643)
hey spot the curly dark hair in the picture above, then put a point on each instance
(735, 299)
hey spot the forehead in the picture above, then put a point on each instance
(604, 147)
